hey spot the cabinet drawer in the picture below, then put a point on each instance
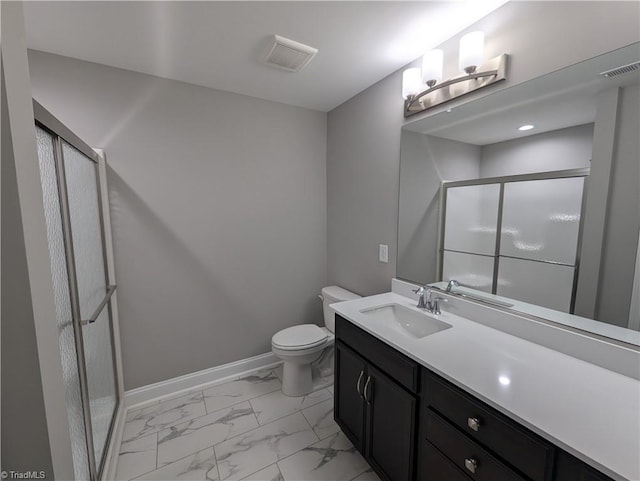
(400, 368)
(435, 467)
(527, 452)
(465, 453)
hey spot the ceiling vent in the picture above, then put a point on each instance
(288, 54)
(614, 72)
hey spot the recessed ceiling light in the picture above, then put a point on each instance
(525, 127)
(504, 380)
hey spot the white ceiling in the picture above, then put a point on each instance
(219, 44)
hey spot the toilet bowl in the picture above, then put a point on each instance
(300, 346)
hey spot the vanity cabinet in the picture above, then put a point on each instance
(569, 468)
(412, 425)
(378, 414)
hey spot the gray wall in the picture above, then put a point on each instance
(218, 206)
(363, 147)
(35, 433)
(623, 216)
(561, 149)
(425, 161)
(25, 439)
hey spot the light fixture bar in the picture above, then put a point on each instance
(487, 74)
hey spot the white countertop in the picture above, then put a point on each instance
(588, 411)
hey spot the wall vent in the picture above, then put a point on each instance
(288, 54)
(614, 72)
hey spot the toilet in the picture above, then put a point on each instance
(301, 346)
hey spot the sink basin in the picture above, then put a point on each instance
(416, 324)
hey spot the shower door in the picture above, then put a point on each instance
(77, 251)
(515, 236)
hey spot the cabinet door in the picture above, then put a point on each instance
(569, 468)
(350, 376)
(392, 421)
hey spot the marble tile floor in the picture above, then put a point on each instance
(244, 429)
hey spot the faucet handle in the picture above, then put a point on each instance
(436, 305)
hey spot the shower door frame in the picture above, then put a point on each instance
(501, 181)
(45, 120)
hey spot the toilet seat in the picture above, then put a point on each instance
(295, 338)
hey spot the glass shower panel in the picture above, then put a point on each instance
(59, 274)
(84, 212)
(540, 283)
(541, 219)
(469, 269)
(472, 219)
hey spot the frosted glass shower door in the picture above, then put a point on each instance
(82, 294)
(539, 241)
(92, 289)
(470, 226)
(64, 319)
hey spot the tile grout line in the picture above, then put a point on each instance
(215, 457)
(157, 447)
(195, 419)
(258, 470)
(300, 409)
(146, 472)
(220, 442)
(179, 459)
(279, 459)
(277, 463)
(309, 423)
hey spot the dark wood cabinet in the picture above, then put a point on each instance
(482, 428)
(569, 468)
(392, 423)
(375, 412)
(412, 425)
(349, 407)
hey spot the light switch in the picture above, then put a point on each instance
(383, 253)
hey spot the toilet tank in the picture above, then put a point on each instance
(332, 294)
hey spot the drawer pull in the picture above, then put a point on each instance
(358, 383)
(473, 423)
(471, 464)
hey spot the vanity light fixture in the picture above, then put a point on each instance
(476, 75)
(526, 127)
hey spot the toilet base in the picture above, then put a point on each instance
(296, 379)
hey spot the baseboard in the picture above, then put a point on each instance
(152, 393)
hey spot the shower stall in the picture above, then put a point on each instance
(73, 188)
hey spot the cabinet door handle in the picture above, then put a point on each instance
(358, 383)
(366, 390)
(471, 464)
(473, 423)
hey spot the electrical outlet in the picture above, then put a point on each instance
(383, 253)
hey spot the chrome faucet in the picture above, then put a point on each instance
(423, 302)
(452, 283)
(426, 300)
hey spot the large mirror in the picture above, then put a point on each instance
(543, 220)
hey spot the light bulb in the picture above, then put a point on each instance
(471, 51)
(432, 67)
(411, 82)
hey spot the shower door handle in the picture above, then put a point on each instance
(98, 310)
